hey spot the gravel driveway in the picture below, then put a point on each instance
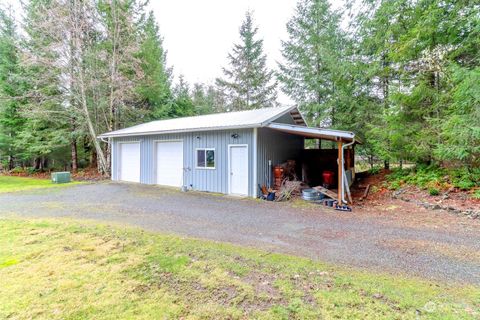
(331, 236)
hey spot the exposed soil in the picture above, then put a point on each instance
(412, 203)
(453, 198)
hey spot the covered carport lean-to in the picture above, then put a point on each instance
(316, 160)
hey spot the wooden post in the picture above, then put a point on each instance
(340, 172)
(353, 162)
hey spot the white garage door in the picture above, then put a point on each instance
(130, 162)
(170, 163)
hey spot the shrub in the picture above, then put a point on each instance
(395, 185)
(17, 170)
(464, 184)
(465, 178)
(31, 170)
(433, 192)
(374, 170)
(432, 177)
(476, 194)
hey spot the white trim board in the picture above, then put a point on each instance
(255, 157)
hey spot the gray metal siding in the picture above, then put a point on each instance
(275, 146)
(200, 179)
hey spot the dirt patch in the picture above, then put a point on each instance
(407, 214)
(414, 207)
(263, 284)
(453, 201)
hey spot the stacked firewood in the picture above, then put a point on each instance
(290, 189)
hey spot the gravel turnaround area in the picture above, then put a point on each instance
(365, 242)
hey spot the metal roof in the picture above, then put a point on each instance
(316, 133)
(217, 121)
(236, 120)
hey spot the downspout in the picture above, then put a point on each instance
(343, 168)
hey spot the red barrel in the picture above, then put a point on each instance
(278, 171)
(328, 177)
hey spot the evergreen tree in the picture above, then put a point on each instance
(378, 28)
(83, 60)
(314, 73)
(207, 99)
(202, 100)
(183, 104)
(47, 126)
(248, 83)
(11, 87)
(423, 62)
(155, 87)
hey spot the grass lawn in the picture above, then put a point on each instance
(13, 184)
(66, 269)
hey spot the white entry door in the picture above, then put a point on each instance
(238, 167)
(170, 163)
(130, 162)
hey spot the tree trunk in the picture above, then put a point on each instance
(73, 142)
(93, 159)
(44, 163)
(386, 164)
(73, 146)
(77, 44)
(93, 135)
(108, 153)
(36, 163)
(11, 163)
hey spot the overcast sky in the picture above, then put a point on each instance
(198, 34)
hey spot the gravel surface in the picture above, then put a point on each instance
(365, 242)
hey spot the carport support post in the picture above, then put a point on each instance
(340, 172)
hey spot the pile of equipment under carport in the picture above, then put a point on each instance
(323, 196)
(286, 186)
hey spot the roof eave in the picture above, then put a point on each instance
(288, 110)
(314, 132)
(150, 133)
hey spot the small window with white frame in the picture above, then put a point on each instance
(205, 158)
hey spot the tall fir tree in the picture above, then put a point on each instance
(182, 105)
(47, 127)
(313, 73)
(207, 99)
(420, 64)
(248, 83)
(11, 88)
(155, 88)
(202, 99)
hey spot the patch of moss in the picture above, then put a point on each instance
(7, 263)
